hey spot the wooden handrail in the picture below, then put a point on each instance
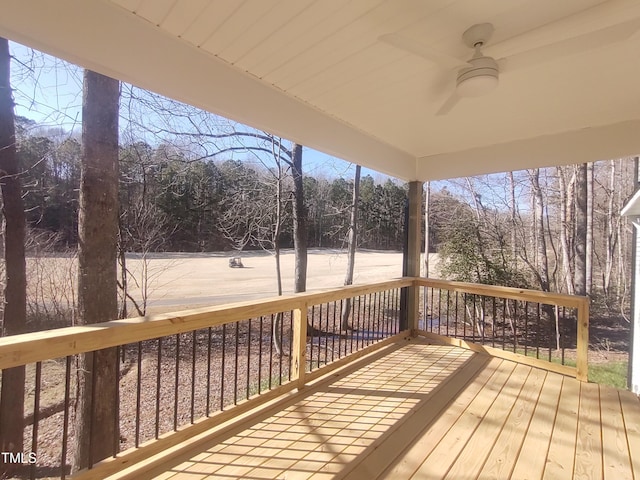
(581, 304)
(559, 299)
(33, 347)
(38, 346)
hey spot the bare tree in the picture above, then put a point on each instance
(351, 246)
(299, 221)
(14, 313)
(580, 274)
(541, 270)
(565, 206)
(96, 431)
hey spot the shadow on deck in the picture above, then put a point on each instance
(415, 410)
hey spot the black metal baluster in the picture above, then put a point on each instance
(65, 421)
(561, 323)
(248, 356)
(439, 312)
(116, 402)
(504, 322)
(319, 332)
(326, 337)
(235, 365)
(223, 365)
(538, 331)
(455, 317)
(333, 331)
(194, 339)
(493, 322)
(281, 346)
(36, 416)
(158, 384)
(260, 355)
(209, 340)
(92, 402)
(138, 393)
(483, 316)
(515, 323)
(526, 328)
(177, 384)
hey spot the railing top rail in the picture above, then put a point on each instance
(559, 299)
(39, 346)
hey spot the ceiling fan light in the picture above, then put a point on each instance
(477, 85)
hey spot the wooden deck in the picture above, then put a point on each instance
(419, 411)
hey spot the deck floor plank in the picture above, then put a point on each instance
(562, 449)
(532, 456)
(500, 462)
(379, 459)
(425, 411)
(445, 454)
(471, 460)
(630, 404)
(588, 460)
(617, 464)
(413, 454)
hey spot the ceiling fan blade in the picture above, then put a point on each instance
(571, 46)
(449, 103)
(423, 50)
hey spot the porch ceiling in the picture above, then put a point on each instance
(316, 71)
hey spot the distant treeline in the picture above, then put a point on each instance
(170, 202)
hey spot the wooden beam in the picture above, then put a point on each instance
(413, 251)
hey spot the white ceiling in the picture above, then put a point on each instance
(317, 72)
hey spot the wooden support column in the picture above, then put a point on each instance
(413, 252)
(299, 347)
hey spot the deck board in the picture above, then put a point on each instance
(428, 411)
(562, 448)
(472, 458)
(501, 461)
(588, 465)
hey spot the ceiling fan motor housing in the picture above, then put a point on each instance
(478, 79)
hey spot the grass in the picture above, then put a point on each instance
(610, 373)
(613, 373)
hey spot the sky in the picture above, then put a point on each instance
(49, 91)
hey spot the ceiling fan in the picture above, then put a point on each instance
(479, 75)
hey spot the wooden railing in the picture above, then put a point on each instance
(528, 326)
(186, 372)
(183, 373)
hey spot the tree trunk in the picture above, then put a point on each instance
(513, 210)
(351, 248)
(566, 230)
(542, 270)
(589, 237)
(96, 406)
(15, 311)
(277, 338)
(299, 221)
(580, 283)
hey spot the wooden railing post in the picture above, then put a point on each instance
(582, 342)
(299, 347)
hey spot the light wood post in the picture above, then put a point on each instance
(413, 252)
(582, 342)
(299, 347)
